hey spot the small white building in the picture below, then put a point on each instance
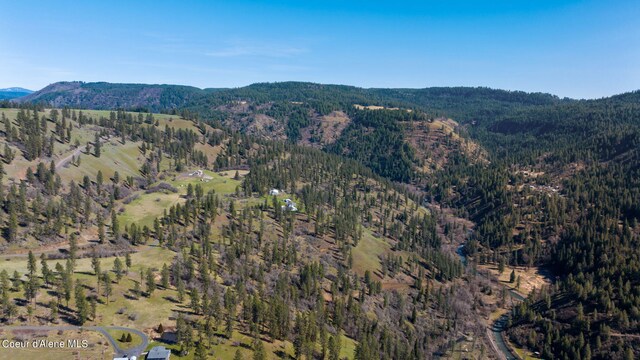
(291, 206)
(274, 192)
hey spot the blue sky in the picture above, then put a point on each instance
(580, 49)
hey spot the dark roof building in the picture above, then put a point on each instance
(169, 337)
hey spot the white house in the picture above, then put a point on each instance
(291, 206)
(274, 192)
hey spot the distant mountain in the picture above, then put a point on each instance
(13, 92)
(17, 89)
(465, 104)
(326, 116)
(103, 95)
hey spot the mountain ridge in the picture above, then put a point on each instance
(16, 89)
(13, 93)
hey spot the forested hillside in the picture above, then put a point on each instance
(562, 192)
(169, 225)
(543, 191)
(106, 96)
(586, 158)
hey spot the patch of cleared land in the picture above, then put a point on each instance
(225, 349)
(366, 256)
(121, 310)
(146, 207)
(377, 107)
(126, 159)
(531, 278)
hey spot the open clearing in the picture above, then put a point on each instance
(126, 159)
(366, 256)
(146, 207)
(225, 349)
(532, 278)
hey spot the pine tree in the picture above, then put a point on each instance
(67, 286)
(73, 249)
(151, 282)
(115, 225)
(181, 290)
(628, 354)
(31, 266)
(8, 154)
(118, 268)
(12, 227)
(108, 287)
(238, 355)
(101, 235)
(99, 181)
(81, 304)
(165, 276)
(53, 311)
(258, 350)
(93, 306)
(127, 261)
(201, 352)
(335, 345)
(46, 272)
(96, 145)
(95, 263)
(136, 289)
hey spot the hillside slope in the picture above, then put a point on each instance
(550, 184)
(106, 96)
(105, 196)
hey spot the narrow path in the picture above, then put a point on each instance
(62, 162)
(101, 329)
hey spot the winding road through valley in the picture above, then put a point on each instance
(496, 331)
